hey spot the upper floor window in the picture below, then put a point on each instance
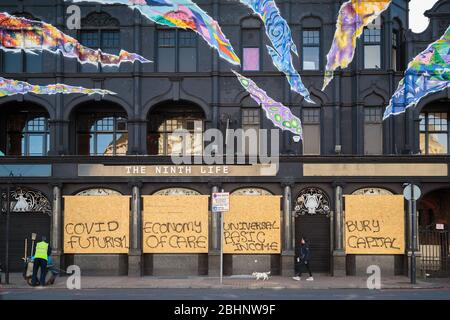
(20, 61)
(373, 130)
(27, 134)
(177, 50)
(311, 131)
(251, 49)
(251, 121)
(372, 45)
(102, 134)
(434, 133)
(100, 31)
(311, 49)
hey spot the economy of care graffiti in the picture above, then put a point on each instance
(252, 226)
(354, 16)
(374, 224)
(17, 33)
(96, 224)
(183, 14)
(175, 224)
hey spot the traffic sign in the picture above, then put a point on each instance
(221, 202)
(408, 192)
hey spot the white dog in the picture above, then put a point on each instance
(261, 275)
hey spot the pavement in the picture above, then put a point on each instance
(321, 282)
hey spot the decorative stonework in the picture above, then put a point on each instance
(312, 201)
(372, 192)
(177, 192)
(98, 192)
(26, 201)
(98, 20)
(251, 192)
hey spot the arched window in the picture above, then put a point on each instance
(19, 61)
(101, 130)
(177, 50)
(165, 120)
(372, 40)
(177, 192)
(434, 131)
(26, 130)
(98, 192)
(100, 31)
(251, 44)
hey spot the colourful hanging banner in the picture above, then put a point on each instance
(280, 35)
(280, 115)
(18, 34)
(354, 16)
(427, 73)
(12, 87)
(183, 14)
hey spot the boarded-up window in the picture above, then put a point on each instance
(373, 131)
(311, 131)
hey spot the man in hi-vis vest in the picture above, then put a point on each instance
(41, 255)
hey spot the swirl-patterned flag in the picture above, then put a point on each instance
(12, 87)
(280, 115)
(279, 33)
(354, 16)
(17, 33)
(427, 73)
(182, 14)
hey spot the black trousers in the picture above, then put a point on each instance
(300, 266)
(39, 264)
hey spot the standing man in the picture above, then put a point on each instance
(302, 257)
(43, 251)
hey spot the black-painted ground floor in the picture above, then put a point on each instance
(312, 209)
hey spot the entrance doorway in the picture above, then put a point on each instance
(434, 240)
(312, 222)
(29, 213)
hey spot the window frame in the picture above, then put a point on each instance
(259, 46)
(427, 132)
(93, 134)
(379, 43)
(319, 45)
(26, 133)
(176, 49)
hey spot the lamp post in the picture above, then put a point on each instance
(8, 211)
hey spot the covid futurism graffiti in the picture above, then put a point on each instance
(279, 33)
(354, 16)
(19, 33)
(183, 14)
(427, 73)
(280, 115)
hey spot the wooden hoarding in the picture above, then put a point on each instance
(175, 224)
(252, 226)
(374, 224)
(96, 224)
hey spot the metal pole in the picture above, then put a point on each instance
(8, 207)
(221, 247)
(413, 236)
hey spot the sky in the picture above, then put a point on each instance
(417, 21)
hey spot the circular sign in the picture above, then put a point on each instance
(408, 192)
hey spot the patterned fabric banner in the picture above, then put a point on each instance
(280, 115)
(18, 33)
(279, 33)
(427, 73)
(183, 14)
(12, 87)
(354, 16)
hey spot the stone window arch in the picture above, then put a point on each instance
(24, 200)
(98, 192)
(368, 191)
(251, 192)
(177, 192)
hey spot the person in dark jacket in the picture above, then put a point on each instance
(302, 258)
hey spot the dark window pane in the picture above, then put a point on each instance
(166, 38)
(12, 62)
(311, 115)
(33, 62)
(311, 58)
(166, 59)
(188, 59)
(90, 39)
(251, 38)
(373, 115)
(187, 39)
(311, 37)
(111, 42)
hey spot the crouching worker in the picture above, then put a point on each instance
(43, 251)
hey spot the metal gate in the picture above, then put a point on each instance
(434, 248)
